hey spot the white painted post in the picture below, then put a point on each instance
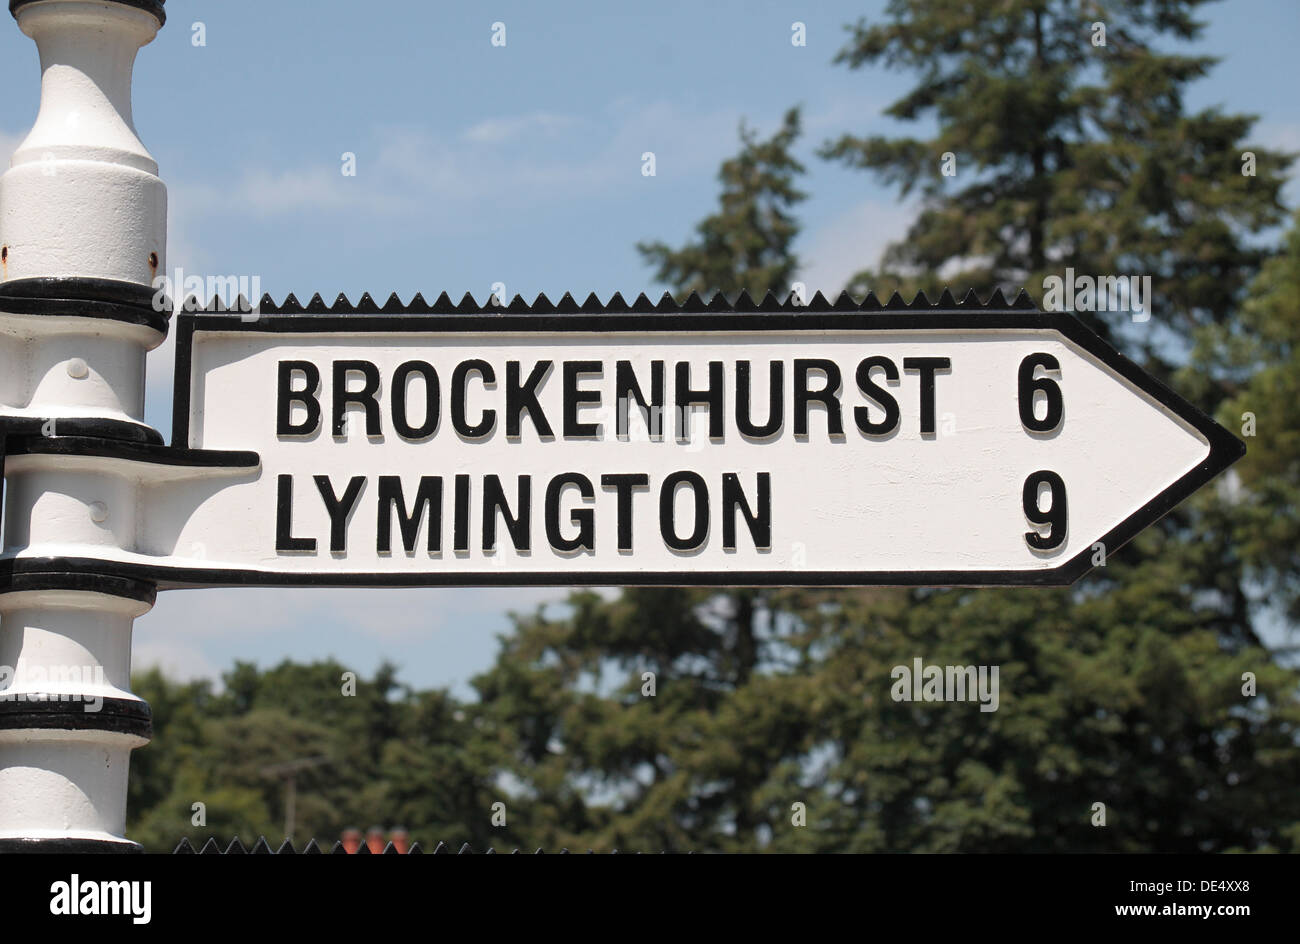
(83, 232)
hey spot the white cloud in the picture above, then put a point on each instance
(850, 242)
(395, 615)
(856, 115)
(498, 130)
(404, 170)
(1280, 135)
(389, 614)
(485, 165)
(437, 636)
(178, 661)
(261, 192)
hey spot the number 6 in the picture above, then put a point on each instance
(1029, 385)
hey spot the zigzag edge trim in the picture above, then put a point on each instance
(568, 305)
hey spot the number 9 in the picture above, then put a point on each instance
(1055, 517)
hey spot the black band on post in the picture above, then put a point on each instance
(92, 427)
(18, 576)
(149, 6)
(68, 846)
(74, 711)
(112, 299)
(134, 452)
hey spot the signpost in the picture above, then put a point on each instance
(706, 443)
(947, 444)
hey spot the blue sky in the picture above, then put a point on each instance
(518, 164)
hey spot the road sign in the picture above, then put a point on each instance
(955, 444)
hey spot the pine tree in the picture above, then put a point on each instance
(604, 762)
(377, 755)
(1126, 691)
(1061, 141)
(1127, 720)
(1257, 356)
(747, 243)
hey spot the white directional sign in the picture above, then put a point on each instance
(954, 446)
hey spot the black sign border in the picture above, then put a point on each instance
(1225, 448)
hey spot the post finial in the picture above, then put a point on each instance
(149, 6)
(82, 159)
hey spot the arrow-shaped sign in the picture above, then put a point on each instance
(957, 444)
